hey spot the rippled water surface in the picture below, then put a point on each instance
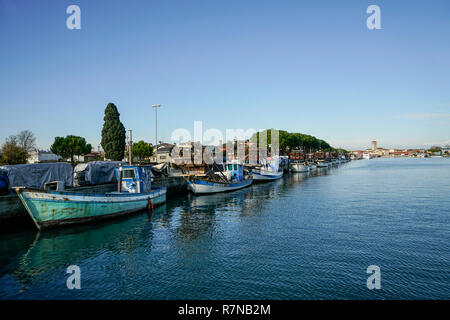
(302, 237)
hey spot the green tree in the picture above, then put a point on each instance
(341, 151)
(70, 146)
(142, 149)
(113, 134)
(12, 153)
(435, 149)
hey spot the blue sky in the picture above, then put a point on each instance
(302, 66)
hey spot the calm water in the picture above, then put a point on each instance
(302, 237)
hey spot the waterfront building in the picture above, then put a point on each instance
(92, 156)
(374, 145)
(398, 153)
(162, 153)
(415, 152)
(379, 152)
(445, 150)
(356, 155)
(40, 156)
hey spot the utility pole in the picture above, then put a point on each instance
(156, 106)
(130, 148)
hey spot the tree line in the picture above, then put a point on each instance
(296, 141)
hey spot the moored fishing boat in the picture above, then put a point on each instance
(299, 167)
(322, 164)
(229, 178)
(264, 175)
(57, 208)
(267, 172)
(312, 166)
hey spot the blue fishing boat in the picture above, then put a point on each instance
(230, 177)
(267, 170)
(49, 208)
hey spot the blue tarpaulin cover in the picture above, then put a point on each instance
(95, 172)
(35, 175)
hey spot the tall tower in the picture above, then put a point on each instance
(374, 145)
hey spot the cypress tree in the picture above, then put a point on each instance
(113, 134)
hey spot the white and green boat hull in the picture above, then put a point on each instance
(56, 208)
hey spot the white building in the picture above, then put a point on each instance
(39, 156)
(445, 150)
(162, 154)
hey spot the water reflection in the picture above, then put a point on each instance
(297, 177)
(54, 249)
(196, 214)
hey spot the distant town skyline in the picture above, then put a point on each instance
(309, 67)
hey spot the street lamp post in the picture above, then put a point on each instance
(130, 148)
(156, 106)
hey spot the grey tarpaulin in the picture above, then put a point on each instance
(162, 169)
(95, 172)
(35, 175)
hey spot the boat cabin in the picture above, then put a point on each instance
(233, 171)
(135, 179)
(236, 171)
